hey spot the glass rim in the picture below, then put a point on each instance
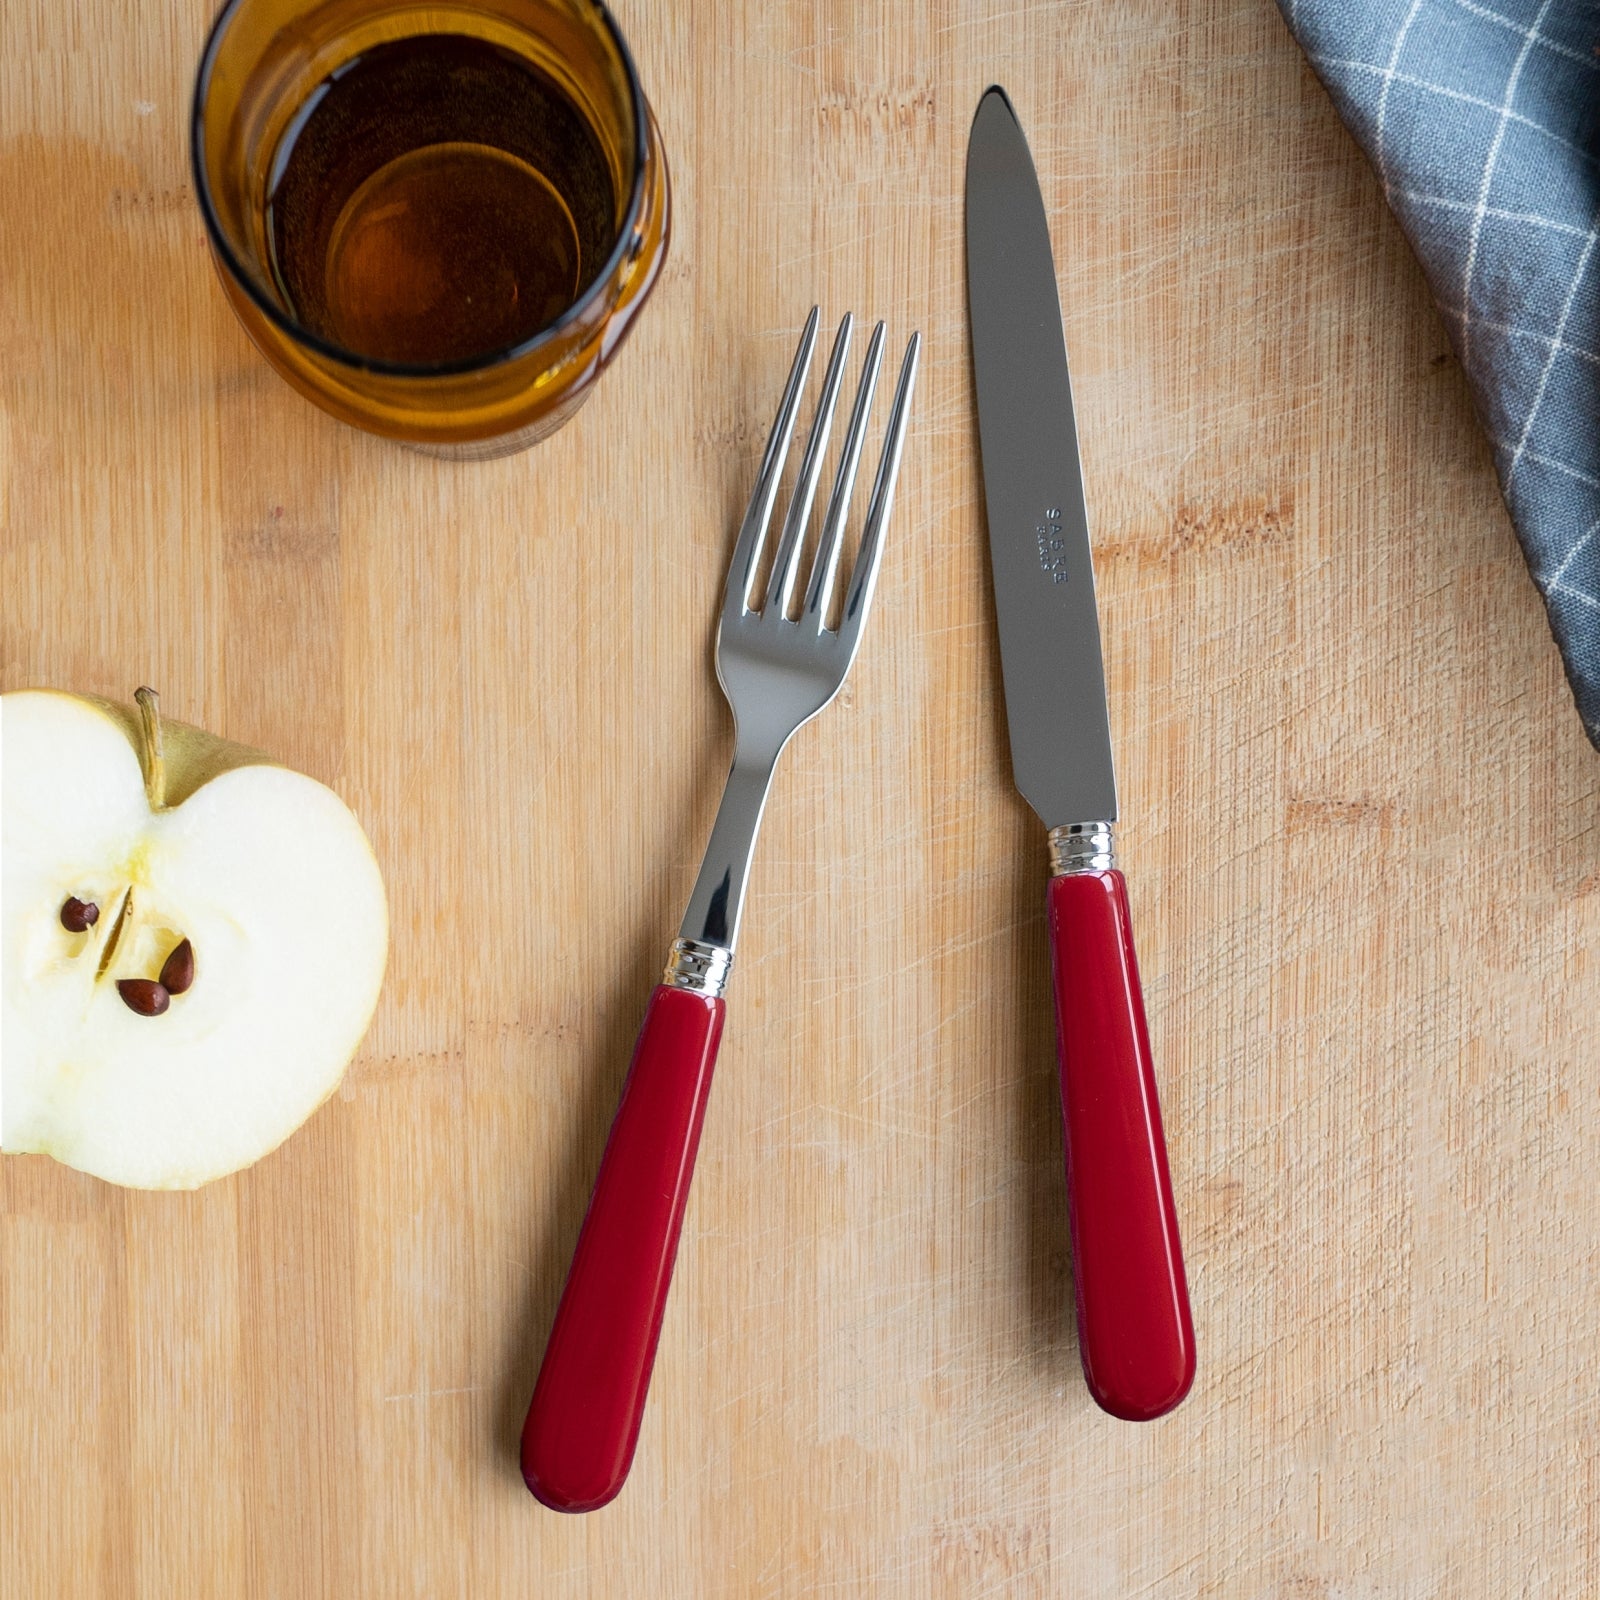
(507, 354)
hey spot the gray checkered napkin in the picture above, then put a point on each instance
(1483, 121)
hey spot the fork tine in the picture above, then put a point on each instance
(753, 530)
(871, 551)
(781, 585)
(827, 561)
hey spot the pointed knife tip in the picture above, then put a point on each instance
(997, 92)
(995, 124)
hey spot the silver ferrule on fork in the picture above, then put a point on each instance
(698, 968)
(1082, 847)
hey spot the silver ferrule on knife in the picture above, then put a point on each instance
(698, 967)
(1082, 847)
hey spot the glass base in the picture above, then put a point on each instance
(503, 444)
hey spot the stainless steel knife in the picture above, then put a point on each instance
(1135, 1332)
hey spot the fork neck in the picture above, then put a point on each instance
(718, 898)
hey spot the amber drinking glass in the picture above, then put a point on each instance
(437, 222)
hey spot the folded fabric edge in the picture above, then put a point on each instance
(1585, 693)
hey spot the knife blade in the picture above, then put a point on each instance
(1135, 1330)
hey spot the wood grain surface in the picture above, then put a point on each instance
(1359, 829)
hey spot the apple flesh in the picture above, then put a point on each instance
(171, 834)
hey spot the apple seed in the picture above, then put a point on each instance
(177, 973)
(78, 916)
(149, 999)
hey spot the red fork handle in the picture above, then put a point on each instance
(583, 1421)
(1135, 1333)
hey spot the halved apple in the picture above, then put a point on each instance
(192, 940)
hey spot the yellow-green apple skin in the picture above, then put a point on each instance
(265, 871)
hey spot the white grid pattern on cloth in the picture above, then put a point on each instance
(1483, 122)
(1507, 102)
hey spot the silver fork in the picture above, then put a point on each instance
(777, 673)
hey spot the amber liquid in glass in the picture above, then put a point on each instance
(438, 199)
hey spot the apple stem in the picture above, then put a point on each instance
(155, 761)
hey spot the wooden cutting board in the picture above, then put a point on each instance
(1359, 831)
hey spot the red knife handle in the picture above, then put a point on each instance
(583, 1421)
(1135, 1333)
